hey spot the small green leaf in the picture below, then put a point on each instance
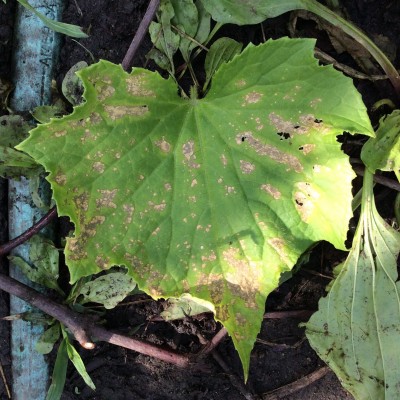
(221, 51)
(44, 258)
(186, 306)
(162, 36)
(14, 164)
(185, 16)
(159, 58)
(383, 152)
(48, 339)
(203, 28)
(59, 373)
(13, 129)
(61, 27)
(356, 329)
(108, 290)
(72, 87)
(76, 359)
(35, 190)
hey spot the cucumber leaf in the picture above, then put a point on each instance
(357, 326)
(108, 290)
(215, 197)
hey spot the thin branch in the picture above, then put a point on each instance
(140, 34)
(83, 328)
(301, 314)
(326, 58)
(33, 230)
(3, 376)
(382, 180)
(294, 387)
(214, 342)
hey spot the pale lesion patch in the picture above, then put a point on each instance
(280, 246)
(159, 207)
(247, 167)
(105, 92)
(303, 126)
(188, 151)
(307, 148)
(305, 198)
(270, 151)
(245, 275)
(98, 167)
(117, 112)
(251, 98)
(136, 85)
(163, 145)
(61, 179)
(103, 262)
(60, 133)
(106, 198)
(271, 190)
(129, 210)
(88, 136)
(224, 160)
(240, 83)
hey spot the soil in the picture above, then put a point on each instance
(282, 353)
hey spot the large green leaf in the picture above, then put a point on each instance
(357, 327)
(215, 197)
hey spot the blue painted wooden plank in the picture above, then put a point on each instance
(35, 54)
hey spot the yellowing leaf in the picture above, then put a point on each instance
(215, 197)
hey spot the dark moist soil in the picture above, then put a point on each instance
(281, 354)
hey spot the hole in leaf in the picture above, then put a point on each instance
(283, 135)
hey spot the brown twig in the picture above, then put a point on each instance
(294, 387)
(214, 342)
(83, 328)
(33, 230)
(301, 314)
(382, 180)
(3, 376)
(140, 34)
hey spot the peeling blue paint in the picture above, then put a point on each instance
(35, 54)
